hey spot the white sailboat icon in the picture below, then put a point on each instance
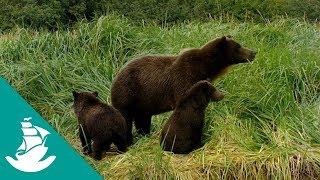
(32, 149)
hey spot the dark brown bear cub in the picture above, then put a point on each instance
(100, 123)
(154, 84)
(182, 132)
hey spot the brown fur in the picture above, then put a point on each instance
(182, 132)
(154, 84)
(100, 123)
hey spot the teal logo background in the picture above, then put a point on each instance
(68, 163)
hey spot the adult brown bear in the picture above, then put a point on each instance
(182, 132)
(154, 84)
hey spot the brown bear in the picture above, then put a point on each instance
(153, 84)
(182, 132)
(100, 123)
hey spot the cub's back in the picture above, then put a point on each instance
(104, 116)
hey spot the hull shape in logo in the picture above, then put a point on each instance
(25, 166)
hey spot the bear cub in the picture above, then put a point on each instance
(100, 123)
(182, 132)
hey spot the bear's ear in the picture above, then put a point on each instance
(95, 94)
(222, 41)
(75, 94)
(209, 89)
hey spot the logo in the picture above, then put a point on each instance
(32, 149)
(43, 153)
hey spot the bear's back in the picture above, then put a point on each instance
(101, 114)
(143, 81)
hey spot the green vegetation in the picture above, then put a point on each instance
(61, 14)
(267, 127)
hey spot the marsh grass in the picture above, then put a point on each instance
(267, 126)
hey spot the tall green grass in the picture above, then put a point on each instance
(266, 127)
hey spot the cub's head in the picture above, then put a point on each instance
(228, 51)
(201, 93)
(83, 99)
(216, 94)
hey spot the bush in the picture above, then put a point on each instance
(45, 14)
(182, 10)
(63, 13)
(266, 127)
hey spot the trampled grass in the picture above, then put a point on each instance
(266, 127)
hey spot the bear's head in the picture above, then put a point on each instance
(201, 93)
(216, 94)
(82, 99)
(228, 51)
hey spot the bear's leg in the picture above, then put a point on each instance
(98, 146)
(129, 132)
(121, 142)
(107, 145)
(129, 120)
(192, 140)
(183, 147)
(196, 138)
(85, 141)
(143, 123)
(182, 144)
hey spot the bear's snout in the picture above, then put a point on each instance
(217, 95)
(253, 54)
(247, 55)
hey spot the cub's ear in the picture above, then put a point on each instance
(95, 94)
(75, 94)
(222, 42)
